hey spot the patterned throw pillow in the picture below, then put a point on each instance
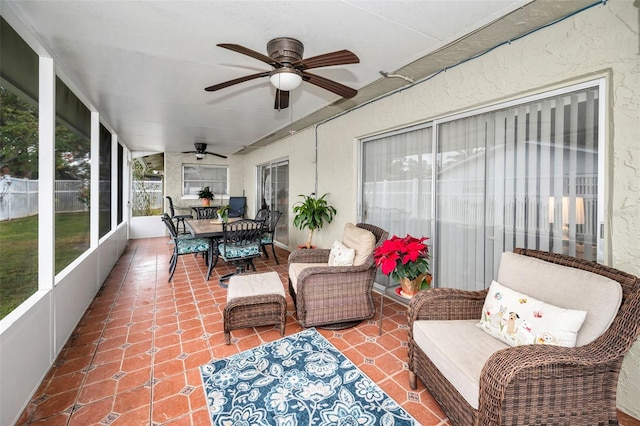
(518, 319)
(341, 255)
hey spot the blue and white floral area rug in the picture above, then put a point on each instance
(301, 379)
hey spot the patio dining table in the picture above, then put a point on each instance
(207, 228)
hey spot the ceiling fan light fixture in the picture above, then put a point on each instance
(199, 155)
(285, 79)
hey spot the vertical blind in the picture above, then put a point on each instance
(521, 175)
(396, 184)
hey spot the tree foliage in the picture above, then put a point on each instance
(142, 198)
(18, 134)
(19, 142)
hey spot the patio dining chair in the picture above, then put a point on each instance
(268, 234)
(179, 218)
(237, 206)
(240, 244)
(206, 212)
(262, 215)
(183, 244)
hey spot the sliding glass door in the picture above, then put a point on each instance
(396, 183)
(520, 174)
(273, 194)
(525, 175)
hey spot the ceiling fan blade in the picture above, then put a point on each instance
(235, 81)
(282, 99)
(330, 85)
(213, 153)
(256, 55)
(189, 152)
(340, 57)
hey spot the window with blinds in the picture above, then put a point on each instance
(520, 174)
(524, 175)
(196, 177)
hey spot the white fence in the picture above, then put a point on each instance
(19, 197)
(144, 192)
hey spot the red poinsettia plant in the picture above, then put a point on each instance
(406, 257)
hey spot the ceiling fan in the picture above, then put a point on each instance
(289, 69)
(201, 151)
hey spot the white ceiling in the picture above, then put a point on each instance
(144, 64)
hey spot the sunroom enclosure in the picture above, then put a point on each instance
(599, 44)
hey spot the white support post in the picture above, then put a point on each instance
(46, 174)
(95, 178)
(114, 181)
(46, 188)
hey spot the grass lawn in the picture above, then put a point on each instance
(19, 254)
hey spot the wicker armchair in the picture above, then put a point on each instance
(334, 296)
(533, 384)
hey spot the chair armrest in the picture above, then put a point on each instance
(317, 271)
(533, 377)
(446, 304)
(309, 256)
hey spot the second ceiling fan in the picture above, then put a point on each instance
(201, 151)
(289, 68)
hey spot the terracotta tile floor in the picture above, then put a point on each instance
(134, 357)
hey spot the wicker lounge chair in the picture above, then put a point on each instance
(332, 296)
(532, 384)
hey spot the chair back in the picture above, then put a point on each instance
(206, 213)
(625, 329)
(171, 208)
(241, 239)
(170, 225)
(262, 215)
(237, 206)
(381, 236)
(272, 221)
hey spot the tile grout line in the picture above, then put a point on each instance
(75, 407)
(200, 317)
(153, 334)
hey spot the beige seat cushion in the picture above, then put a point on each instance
(565, 287)
(459, 350)
(254, 285)
(361, 240)
(296, 268)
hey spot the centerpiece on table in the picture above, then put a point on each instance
(406, 260)
(223, 213)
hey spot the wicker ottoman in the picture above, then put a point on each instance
(254, 300)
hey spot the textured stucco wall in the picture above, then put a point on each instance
(600, 42)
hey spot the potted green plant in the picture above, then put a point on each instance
(312, 213)
(223, 213)
(205, 196)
